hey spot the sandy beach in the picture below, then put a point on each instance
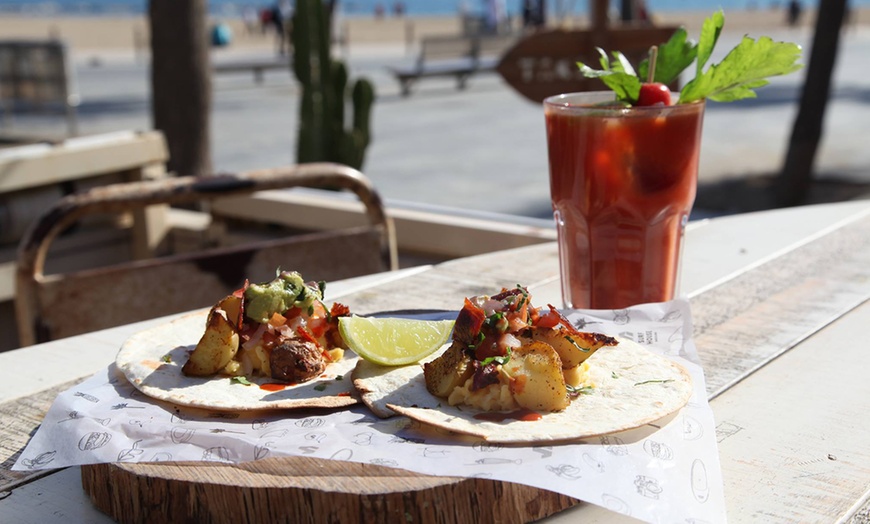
(128, 33)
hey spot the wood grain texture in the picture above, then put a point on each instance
(21, 418)
(751, 319)
(302, 490)
(796, 434)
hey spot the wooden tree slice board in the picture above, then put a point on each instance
(307, 490)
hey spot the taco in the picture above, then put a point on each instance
(273, 345)
(516, 375)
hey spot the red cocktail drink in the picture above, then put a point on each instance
(622, 181)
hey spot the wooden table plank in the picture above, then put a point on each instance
(795, 433)
(749, 320)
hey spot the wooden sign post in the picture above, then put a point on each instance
(545, 63)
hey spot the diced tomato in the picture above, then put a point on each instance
(339, 310)
(549, 320)
(293, 312)
(468, 323)
(305, 335)
(318, 326)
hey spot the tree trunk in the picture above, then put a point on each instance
(181, 82)
(793, 183)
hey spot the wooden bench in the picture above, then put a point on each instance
(36, 77)
(258, 67)
(457, 56)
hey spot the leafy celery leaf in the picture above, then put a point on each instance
(743, 70)
(674, 57)
(626, 86)
(622, 65)
(710, 32)
(603, 59)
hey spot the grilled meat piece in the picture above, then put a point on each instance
(296, 360)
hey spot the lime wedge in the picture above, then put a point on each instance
(394, 341)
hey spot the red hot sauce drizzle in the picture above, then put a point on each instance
(524, 415)
(274, 386)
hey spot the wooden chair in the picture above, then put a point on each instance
(60, 305)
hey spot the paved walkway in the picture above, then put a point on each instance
(482, 148)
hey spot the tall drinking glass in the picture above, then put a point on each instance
(622, 182)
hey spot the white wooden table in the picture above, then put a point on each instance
(781, 322)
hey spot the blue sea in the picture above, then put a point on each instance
(366, 7)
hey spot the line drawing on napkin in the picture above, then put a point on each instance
(316, 436)
(493, 461)
(89, 398)
(594, 463)
(309, 423)
(658, 450)
(434, 452)
(565, 471)
(621, 317)
(363, 439)
(181, 435)
(216, 454)
(221, 430)
(342, 454)
(72, 415)
(124, 405)
(670, 316)
(581, 323)
(308, 450)
(384, 462)
(94, 440)
(647, 486)
(275, 433)
(616, 504)
(132, 453)
(616, 448)
(259, 424)
(261, 452)
(40, 461)
(700, 483)
(692, 429)
(162, 456)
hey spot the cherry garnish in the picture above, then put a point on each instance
(652, 93)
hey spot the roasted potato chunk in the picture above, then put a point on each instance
(215, 349)
(536, 376)
(232, 305)
(448, 371)
(573, 347)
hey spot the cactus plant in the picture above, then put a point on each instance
(322, 134)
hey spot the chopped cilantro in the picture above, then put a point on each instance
(575, 391)
(240, 380)
(660, 381)
(166, 358)
(320, 387)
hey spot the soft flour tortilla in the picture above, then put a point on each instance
(141, 359)
(633, 387)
